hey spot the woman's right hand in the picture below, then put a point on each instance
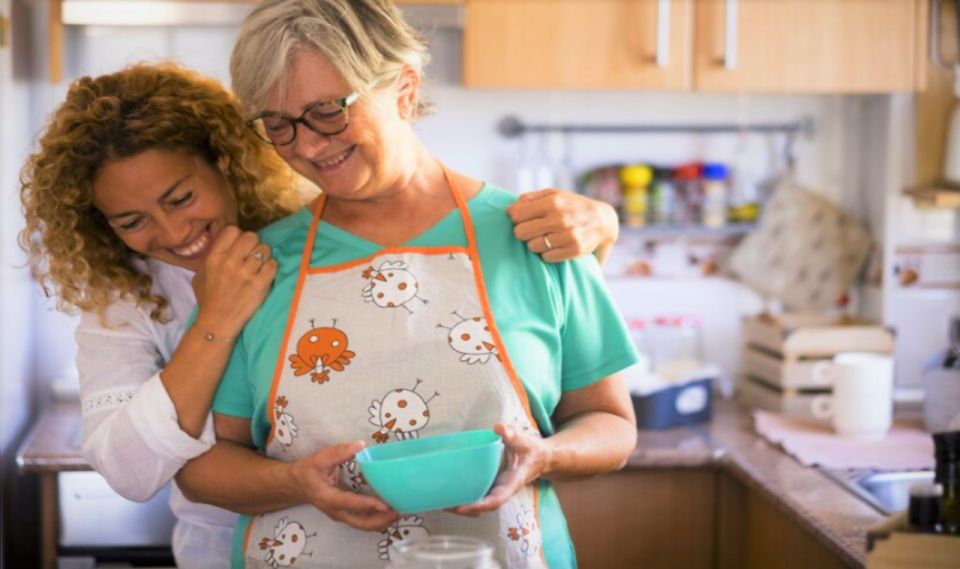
(233, 282)
(317, 475)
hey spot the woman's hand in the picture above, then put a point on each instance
(233, 282)
(526, 458)
(561, 225)
(317, 476)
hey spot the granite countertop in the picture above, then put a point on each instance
(838, 519)
(835, 517)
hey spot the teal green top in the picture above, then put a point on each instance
(560, 327)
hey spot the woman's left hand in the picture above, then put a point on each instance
(560, 225)
(526, 458)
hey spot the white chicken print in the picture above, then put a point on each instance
(286, 428)
(402, 412)
(525, 534)
(406, 528)
(288, 542)
(352, 475)
(391, 286)
(471, 338)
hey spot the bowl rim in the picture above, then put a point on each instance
(362, 457)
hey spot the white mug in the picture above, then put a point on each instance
(862, 402)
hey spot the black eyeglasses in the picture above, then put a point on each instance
(323, 117)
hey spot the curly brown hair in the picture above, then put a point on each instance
(70, 244)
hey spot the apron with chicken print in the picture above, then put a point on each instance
(395, 346)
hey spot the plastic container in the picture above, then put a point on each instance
(685, 403)
(715, 192)
(635, 181)
(675, 346)
(443, 552)
(432, 473)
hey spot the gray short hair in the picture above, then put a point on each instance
(367, 41)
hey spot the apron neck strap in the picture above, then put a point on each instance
(454, 191)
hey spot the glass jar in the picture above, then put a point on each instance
(443, 552)
(715, 195)
(675, 344)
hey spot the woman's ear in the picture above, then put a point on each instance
(408, 85)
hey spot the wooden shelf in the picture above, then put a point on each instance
(937, 195)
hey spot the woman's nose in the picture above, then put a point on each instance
(309, 144)
(173, 232)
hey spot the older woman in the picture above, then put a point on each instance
(405, 277)
(132, 204)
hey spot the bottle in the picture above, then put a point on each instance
(676, 346)
(443, 552)
(923, 515)
(635, 179)
(689, 195)
(714, 212)
(947, 448)
(664, 197)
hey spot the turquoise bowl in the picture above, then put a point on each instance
(432, 473)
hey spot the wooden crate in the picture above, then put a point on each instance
(783, 350)
(806, 336)
(758, 394)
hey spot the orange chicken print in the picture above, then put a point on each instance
(319, 351)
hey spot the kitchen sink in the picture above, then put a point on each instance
(887, 492)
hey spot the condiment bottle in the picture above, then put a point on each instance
(635, 179)
(664, 197)
(689, 195)
(947, 448)
(714, 212)
(443, 552)
(923, 515)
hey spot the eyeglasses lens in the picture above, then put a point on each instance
(327, 117)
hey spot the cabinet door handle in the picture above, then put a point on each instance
(730, 37)
(663, 33)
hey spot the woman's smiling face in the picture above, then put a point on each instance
(166, 205)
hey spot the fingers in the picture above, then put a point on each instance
(333, 455)
(225, 239)
(534, 205)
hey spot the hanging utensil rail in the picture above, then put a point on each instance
(511, 127)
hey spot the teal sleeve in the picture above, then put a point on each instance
(595, 340)
(234, 396)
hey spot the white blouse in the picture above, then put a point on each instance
(130, 431)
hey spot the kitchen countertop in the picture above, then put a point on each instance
(832, 515)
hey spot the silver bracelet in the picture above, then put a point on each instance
(210, 337)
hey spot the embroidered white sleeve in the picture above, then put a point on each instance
(130, 431)
(108, 399)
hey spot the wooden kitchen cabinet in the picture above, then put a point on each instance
(695, 518)
(577, 44)
(642, 518)
(824, 46)
(786, 46)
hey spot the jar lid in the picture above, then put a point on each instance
(947, 445)
(714, 171)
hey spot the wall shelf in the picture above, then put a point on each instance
(692, 231)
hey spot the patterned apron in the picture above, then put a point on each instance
(395, 346)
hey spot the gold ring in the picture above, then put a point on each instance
(546, 243)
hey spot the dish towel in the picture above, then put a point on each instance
(815, 444)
